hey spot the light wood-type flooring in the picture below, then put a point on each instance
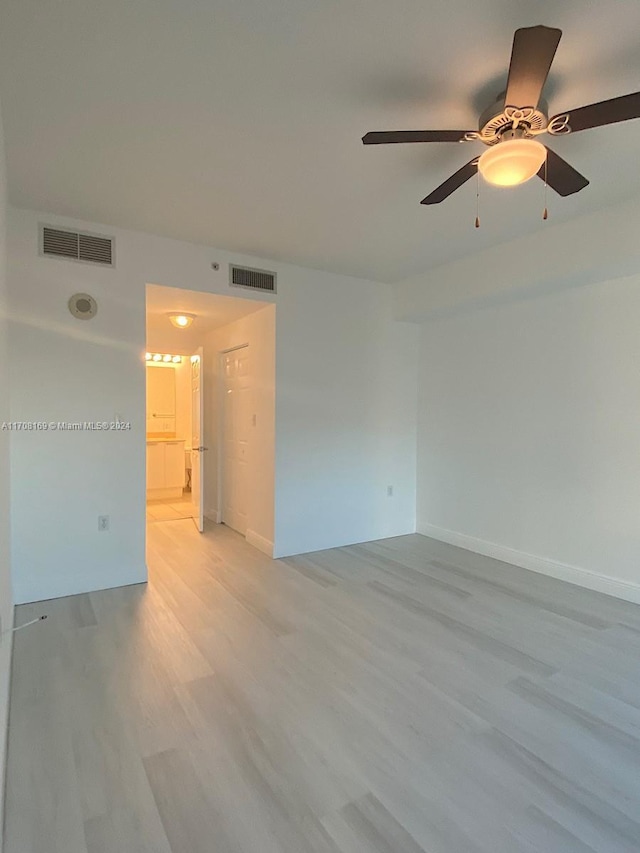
(395, 697)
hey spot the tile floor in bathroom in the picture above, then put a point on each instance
(170, 509)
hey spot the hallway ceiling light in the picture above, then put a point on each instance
(181, 321)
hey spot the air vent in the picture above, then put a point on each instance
(62, 243)
(94, 249)
(252, 279)
(76, 246)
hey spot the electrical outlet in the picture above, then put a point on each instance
(389, 491)
(103, 522)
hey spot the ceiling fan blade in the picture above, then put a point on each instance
(386, 136)
(562, 177)
(604, 112)
(531, 57)
(453, 183)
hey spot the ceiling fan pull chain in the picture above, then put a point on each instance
(545, 212)
(478, 199)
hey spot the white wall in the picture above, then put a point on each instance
(345, 406)
(71, 370)
(528, 440)
(6, 598)
(595, 247)
(258, 330)
(163, 337)
(346, 416)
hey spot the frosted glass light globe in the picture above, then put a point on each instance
(512, 162)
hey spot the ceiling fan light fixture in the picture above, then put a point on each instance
(512, 162)
(181, 321)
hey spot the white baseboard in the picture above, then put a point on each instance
(259, 542)
(310, 547)
(562, 571)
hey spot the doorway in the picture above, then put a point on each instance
(170, 494)
(217, 411)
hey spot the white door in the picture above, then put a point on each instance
(235, 453)
(197, 431)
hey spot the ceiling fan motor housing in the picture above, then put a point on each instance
(501, 117)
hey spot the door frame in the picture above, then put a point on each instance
(220, 430)
(198, 355)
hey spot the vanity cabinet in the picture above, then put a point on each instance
(165, 469)
(155, 465)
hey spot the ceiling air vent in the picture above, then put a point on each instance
(252, 279)
(76, 246)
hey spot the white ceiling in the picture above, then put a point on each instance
(212, 312)
(237, 123)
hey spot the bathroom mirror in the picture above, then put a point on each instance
(161, 400)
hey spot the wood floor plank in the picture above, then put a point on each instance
(489, 643)
(191, 822)
(369, 819)
(550, 789)
(126, 828)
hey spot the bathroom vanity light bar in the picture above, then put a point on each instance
(163, 358)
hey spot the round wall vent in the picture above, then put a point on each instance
(83, 306)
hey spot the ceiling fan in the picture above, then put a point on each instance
(509, 127)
